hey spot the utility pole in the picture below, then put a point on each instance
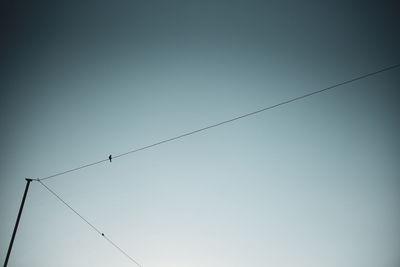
(28, 181)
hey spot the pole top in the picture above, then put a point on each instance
(28, 179)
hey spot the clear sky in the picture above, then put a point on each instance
(312, 183)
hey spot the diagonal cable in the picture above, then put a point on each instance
(90, 224)
(229, 120)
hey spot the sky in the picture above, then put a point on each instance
(312, 183)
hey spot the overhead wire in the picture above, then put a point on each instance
(88, 223)
(227, 121)
(184, 135)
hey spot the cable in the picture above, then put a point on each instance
(75, 169)
(230, 120)
(91, 225)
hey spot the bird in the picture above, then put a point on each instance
(110, 157)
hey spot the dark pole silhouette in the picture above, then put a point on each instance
(28, 181)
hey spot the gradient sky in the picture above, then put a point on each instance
(312, 183)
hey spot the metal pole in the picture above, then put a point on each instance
(28, 181)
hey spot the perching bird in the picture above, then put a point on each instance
(110, 157)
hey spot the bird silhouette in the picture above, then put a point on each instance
(110, 157)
